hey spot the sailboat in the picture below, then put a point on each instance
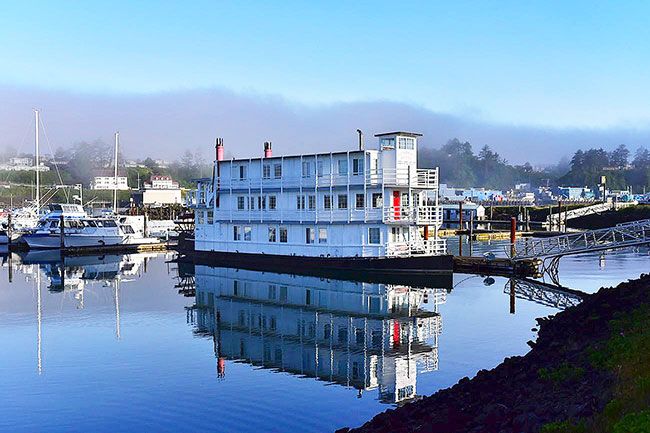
(68, 226)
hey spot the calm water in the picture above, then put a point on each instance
(109, 344)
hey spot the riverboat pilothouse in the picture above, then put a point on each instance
(364, 209)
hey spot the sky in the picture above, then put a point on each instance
(561, 68)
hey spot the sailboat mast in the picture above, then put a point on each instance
(36, 167)
(117, 143)
(39, 317)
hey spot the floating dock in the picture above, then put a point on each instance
(497, 266)
(105, 249)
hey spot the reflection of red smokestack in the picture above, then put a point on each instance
(219, 148)
(268, 152)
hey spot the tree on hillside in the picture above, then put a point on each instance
(619, 157)
(641, 158)
(86, 158)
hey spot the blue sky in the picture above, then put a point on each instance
(522, 62)
(559, 64)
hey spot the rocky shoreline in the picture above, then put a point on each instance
(587, 371)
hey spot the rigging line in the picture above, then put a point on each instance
(56, 166)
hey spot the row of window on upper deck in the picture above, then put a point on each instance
(309, 169)
(402, 143)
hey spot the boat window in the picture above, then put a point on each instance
(374, 235)
(109, 223)
(128, 229)
(92, 223)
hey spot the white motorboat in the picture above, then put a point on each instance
(80, 230)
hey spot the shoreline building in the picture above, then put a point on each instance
(363, 204)
(368, 336)
(23, 164)
(106, 180)
(160, 190)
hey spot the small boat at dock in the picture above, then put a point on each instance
(81, 231)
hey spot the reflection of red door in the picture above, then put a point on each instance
(396, 204)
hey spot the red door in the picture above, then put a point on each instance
(397, 204)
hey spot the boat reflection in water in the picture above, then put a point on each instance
(368, 336)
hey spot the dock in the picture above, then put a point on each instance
(118, 249)
(497, 266)
(103, 249)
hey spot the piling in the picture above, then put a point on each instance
(527, 210)
(512, 295)
(471, 234)
(10, 271)
(9, 231)
(513, 235)
(491, 217)
(61, 232)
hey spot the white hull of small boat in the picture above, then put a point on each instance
(53, 241)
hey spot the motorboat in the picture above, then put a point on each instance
(81, 230)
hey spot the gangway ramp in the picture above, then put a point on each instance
(620, 236)
(597, 208)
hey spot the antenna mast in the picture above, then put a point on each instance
(36, 167)
(117, 143)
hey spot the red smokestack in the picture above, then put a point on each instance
(219, 148)
(268, 152)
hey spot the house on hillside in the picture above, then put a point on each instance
(106, 180)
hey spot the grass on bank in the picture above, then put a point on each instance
(627, 354)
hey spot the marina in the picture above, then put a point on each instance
(110, 325)
(324, 217)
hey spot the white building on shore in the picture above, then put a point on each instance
(368, 203)
(106, 180)
(161, 190)
(23, 164)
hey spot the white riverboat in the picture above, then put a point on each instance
(81, 230)
(358, 209)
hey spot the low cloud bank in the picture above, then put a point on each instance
(165, 125)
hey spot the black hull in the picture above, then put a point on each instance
(430, 271)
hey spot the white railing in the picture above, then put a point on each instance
(431, 215)
(429, 247)
(415, 178)
(423, 215)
